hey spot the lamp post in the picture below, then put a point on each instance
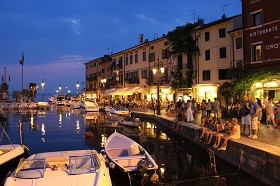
(103, 81)
(60, 88)
(158, 67)
(43, 84)
(77, 88)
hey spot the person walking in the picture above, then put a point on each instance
(269, 107)
(245, 115)
(216, 107)
(189, 112)
(208, 107)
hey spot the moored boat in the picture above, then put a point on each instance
(43, 105)
(118, 111)
(89, 106)
(130, 122)
(128, 155)
(75, 168)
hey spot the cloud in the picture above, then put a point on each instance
(75, 25)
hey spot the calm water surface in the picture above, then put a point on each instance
(64, 129)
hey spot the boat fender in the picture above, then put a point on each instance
(142, 167)
(137, 119)
(112, 165)
(154, 178)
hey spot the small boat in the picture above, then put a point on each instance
(89, 106)
(10, 154)
(118, 111)
(75, 168)
(75, 104)
(128, 155)
(43, 105)
(130, 122)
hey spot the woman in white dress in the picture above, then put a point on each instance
(189, 112)
(234, 134)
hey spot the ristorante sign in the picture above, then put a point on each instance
(269, 34)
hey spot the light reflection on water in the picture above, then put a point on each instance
(61, 129)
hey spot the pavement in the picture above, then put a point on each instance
(269, 136)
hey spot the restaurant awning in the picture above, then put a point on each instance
(122, 91)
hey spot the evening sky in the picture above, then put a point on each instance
(58, 36)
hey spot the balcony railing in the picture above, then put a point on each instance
(133, 81)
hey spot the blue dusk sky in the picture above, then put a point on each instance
(58, 36)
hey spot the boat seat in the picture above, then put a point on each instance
(130, 157)
(119, 152)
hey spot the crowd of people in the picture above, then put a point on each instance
(251, 111)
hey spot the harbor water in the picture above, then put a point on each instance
(58, 129)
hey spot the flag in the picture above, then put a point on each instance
(22, 59)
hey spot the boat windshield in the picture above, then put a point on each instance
(84, 164)
(31, 168)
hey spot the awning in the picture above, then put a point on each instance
(122, 91)
(108, 92)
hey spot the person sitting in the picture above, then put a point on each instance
(234, 134)
(217, 129)
(226, 129)
(204, 127)
(211, 126)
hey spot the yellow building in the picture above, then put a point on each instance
(216, 56)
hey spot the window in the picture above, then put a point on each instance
(256, 19)
(130, 59)
(136, 57)
(223, 52)
(126, 59)
(207, 55)
(206, 75)
(94, 64)
(222, 32)
(144, 74)
(223, 74)
(144, 55)
(256, 52)
(207, 36)
(165, 54)
(152, 47)
(152, 57)
(238, 43)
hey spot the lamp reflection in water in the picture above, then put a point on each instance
(103, 140)
(60, 119)
(158, 67)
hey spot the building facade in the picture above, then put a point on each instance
(217, 55)
(261, 32)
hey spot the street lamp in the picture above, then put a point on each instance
(158, 67)
(43, 84)
(60, 88)
(77, 88)
(103, 81)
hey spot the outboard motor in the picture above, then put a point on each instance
(142, 167)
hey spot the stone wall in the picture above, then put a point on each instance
(260, 160)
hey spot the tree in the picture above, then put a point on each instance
(33, 87)
(16, 94)
(182, 43)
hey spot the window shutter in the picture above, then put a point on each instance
(249, 21)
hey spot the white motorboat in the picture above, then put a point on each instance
(128, 155)
(10, 154)
(130, 122)
(119, 111)
(75, 104)
(60, 100)
(67, 168)
(89, 106)
(43, 105)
